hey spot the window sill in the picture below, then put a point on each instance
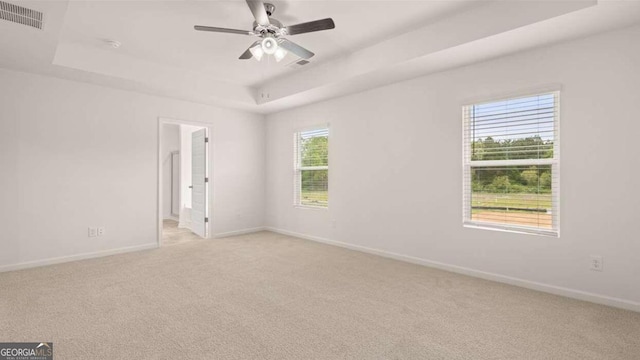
(512, 229)
(310, 207)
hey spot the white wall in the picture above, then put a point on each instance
(75, 155)
(170, 143)
(396, 169)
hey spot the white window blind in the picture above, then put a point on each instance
(511, 164)
(311, 168)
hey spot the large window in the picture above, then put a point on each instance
(511, 164)
(311, 164)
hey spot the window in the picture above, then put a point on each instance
(511, 163)
(311, 164)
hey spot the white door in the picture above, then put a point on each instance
(199, 182)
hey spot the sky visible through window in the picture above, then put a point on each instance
(515, 119)
(314, 133)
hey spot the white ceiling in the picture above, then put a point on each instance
(373, 40)
(162, 31)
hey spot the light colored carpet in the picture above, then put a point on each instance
(269, 296)
(172, 234)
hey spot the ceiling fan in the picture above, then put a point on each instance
(271, 31)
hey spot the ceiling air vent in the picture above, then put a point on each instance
(298, 63)
(20, 15)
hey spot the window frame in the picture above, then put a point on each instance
(468, 164)
(298, 168)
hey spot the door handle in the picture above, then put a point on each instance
(190, 186)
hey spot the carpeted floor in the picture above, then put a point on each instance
(172, 234)
(269, 296)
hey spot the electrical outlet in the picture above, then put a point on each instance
(100, 231)
(93, 232)
(596, 263)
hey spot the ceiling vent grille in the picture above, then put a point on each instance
(298, 63)
(20, 15)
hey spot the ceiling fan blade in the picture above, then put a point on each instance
(223, 30)
(318, 25)
(259, 12)
(247, 54)
(295, 49)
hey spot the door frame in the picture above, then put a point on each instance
(209, 172)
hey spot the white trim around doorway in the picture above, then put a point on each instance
(210, 185)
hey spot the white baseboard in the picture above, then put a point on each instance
(239, 232)
(64, 259)
(552, 289)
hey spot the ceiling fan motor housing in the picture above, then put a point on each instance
(275, 27)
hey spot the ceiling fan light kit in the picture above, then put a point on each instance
(256, 51)
(272, 31)
(279, 54)
(269, 45)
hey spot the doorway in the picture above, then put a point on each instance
(183, 182)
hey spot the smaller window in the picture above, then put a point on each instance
(311, 168)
